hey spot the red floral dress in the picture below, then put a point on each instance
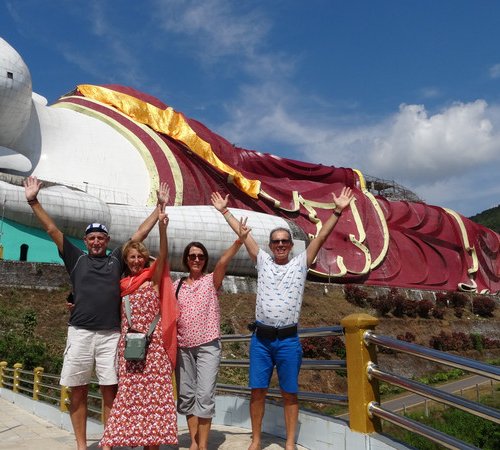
(143, 412)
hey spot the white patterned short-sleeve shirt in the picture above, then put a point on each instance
(280, 289)
(199, 312)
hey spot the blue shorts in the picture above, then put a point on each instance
(285, 354)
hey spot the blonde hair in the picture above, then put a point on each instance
(140, 247)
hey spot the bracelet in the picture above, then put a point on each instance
(238, 241)
(33, 201)
(225, 212)
(337, 213)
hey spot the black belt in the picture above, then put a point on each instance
(269, 332)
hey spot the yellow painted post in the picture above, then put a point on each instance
(17, 376)
(37, 381)
(3, 366)
(64, 402)
(360, 390)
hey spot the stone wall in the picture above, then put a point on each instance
(53, 276)
(33, 275)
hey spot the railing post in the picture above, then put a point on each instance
(360, 390)
(3, 366)
(64, 402)
(37, 381)
(17, 377)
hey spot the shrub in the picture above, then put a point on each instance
(407, 337)
(353, 294)
(455, 341)
(315, 348)
(409, 307)
(383, 305)
(16, 349)
(396, 300)
(323, 347)
(337, 346)
(399, 308)
(477, 341)
(442, 299)
(491, 343)
(459, 312)
(438, 313)
(458, 299)
(424, 308)
(29, 324)
(484, 306)
(226, 328)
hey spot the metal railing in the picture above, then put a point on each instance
(307, 364)
(37, 384)
(363, 374)
(364, 405)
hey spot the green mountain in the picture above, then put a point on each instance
(489, 218)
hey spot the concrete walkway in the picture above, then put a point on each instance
(20, 430)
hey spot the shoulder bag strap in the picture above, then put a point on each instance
(153, 325)
(127, 310)
(129, 320)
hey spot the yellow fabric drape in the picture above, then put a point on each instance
(171, 123)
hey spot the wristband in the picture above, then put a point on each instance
(225, 211)
(33, 201)
(337, 213)
(238, 241)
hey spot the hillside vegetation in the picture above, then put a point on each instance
(489, 218)
(33, 324)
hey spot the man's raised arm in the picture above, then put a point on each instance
(341, 202)
(239, 227)
(31, 188)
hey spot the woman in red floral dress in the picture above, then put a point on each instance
(144, 411)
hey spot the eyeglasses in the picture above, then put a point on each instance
(194, 257)
(280, 241)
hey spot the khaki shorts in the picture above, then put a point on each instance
(84, 348)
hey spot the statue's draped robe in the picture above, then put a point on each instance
(377, 242)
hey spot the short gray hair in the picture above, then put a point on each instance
(281, 229)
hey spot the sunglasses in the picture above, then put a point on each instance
(280, 241)
(194, 257)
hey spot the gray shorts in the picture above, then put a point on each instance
(196, 376)
(86, 348)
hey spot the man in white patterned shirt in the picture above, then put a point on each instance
(280, 290)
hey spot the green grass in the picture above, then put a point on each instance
(474, 430)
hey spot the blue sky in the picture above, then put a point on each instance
(403, 90)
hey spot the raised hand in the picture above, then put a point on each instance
(31, 187)
(219, 202)
(163, 193)
(162, 215)
(243, 229)
(343, 200)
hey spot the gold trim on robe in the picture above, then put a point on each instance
(170, 123)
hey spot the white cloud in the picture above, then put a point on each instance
(450, 158)
(495, 71)
(216, 32)
(426, 148)
(214, 25)
(430, 92)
